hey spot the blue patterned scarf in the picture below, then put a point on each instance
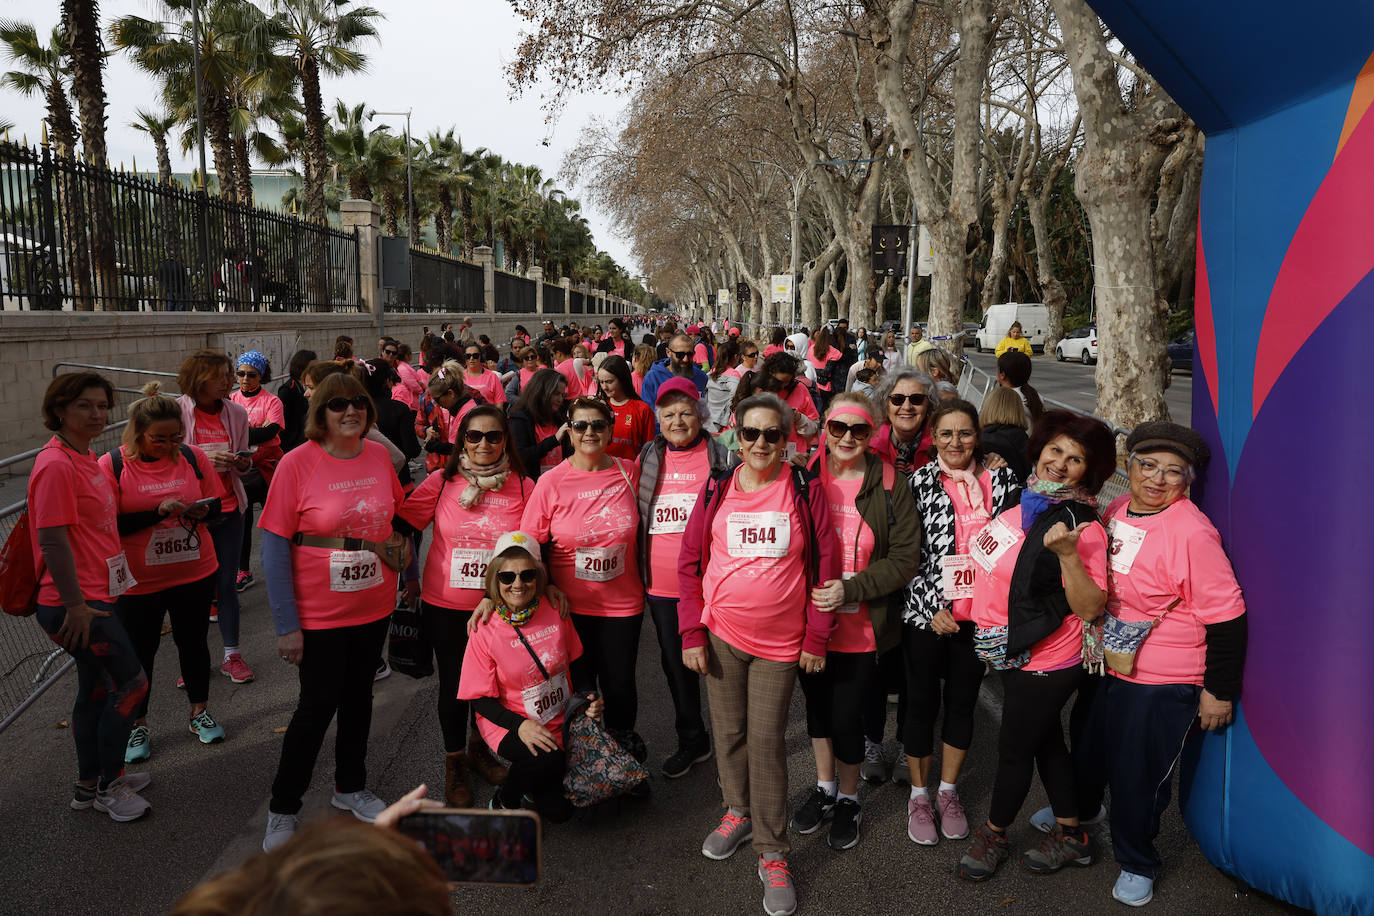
(1039, 495)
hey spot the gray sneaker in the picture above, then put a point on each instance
(121, 802)
(875, 768)
(364, 805)
(280, 828)
(734, 831)
(779, 895)
(1058, 849)
(901, 770)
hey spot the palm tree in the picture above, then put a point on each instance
(81, 20)
(157, 126)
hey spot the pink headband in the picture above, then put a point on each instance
(850, 409)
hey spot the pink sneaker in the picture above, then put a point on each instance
(920, 821)
(236, 669)
(953, 820)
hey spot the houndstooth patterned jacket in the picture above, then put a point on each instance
(924, 595)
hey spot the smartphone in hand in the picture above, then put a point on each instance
(474, 846)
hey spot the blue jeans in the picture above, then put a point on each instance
(228, 538)
(110, 687)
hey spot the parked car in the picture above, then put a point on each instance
(971, 333)
(1079, 344)
(1181, 351)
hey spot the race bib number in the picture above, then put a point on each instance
(353, 570)
(171, 545)
(989, 544)
(121, 580)
(853, 606)
(544, 701)
(758, 534)
(670, 512)
(468, 568)
(1126, 541)
(600, 564)
(956, 576)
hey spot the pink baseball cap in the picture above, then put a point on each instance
(693, 329)
(734, 332)
(677, 385)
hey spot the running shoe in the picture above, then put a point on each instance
(1043, 820)
(876, 767)
(1133, 890)
(136, 781)
(685, 757)
(920, 821)
(83, 797)
(953, 820)
(244, 581)
(985, 855)
(844, 827)
(818, 806)
(383, 671)
(204, 727)
(779, 895)
(364, 805)
(1059, 848)
(121, 802)
(236, 669)
(140, 745)
(280, 828)
(901, 770)
(734, 831)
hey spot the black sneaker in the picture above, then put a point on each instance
(632, 743)
(682, 761)
(844, 828)
(817, 807)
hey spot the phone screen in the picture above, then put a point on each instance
(474, 846)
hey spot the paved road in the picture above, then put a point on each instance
(1076, 384)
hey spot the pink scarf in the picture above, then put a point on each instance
(966, 483)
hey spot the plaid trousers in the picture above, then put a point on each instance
(749, 698)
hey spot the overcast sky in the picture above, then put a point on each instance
(443, 60)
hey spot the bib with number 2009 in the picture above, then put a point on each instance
(468, 568)
(353, 570)
(758, 534)
(989, 544)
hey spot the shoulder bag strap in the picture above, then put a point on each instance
(537, 663)
(190, 459)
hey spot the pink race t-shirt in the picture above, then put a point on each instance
(462, 541)
(1156, 559)
(682, 475)
(211, 436)
(263, 408)
(638, 380)
(575, 387)
(754, 590)
(1064, 646)
(853, 623)
(488, 385)
(799, 399)
(166, 554)
(592, 518)
(73, 490)
(554, 456)
(967, 523)
(497, 664)
(315, 493)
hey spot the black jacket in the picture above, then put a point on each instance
(529, 446)
(295, 405)
(1009, 442)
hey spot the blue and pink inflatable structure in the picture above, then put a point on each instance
(1284, 393)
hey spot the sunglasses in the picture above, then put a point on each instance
(339, 405)
(751, 355)
(839, 430)
(897, 400)
(474, 436)
(472, 354)
(681, 354)
(581, 426)
(242, 374)
(772, 435)
(507, 577)
(390, 352)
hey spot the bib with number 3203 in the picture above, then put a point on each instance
(600, 564)
(546, 699)
(670, 512)
(467, 568)
(170, 545)
(353, 570)
(989, 544)
(758, 534)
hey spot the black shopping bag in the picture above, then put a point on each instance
(409, 652)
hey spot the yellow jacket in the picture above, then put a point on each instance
(1014, 343)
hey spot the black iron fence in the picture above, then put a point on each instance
(514, 295)
(439, 284)
(576, 302)
(73, 236)
(553, 298)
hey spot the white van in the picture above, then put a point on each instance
(1034, 318)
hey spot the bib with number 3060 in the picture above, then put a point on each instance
(989, 544)
(670, 512)
(170, 545)
(353, 570)
(956, 576)
(758, 534)
(468, 568)
(546, 700)
(600, 564)
(1126, 541)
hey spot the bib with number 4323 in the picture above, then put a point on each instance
(353, 570)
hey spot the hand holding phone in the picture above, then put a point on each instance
(474, 846)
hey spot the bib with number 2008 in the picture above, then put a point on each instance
(956, 576)
(600, 564)
(758, 534)
(353, 570)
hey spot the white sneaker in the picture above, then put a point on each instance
(364, 805)
(280, 828)
(121, 802)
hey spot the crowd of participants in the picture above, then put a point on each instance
(819, 511)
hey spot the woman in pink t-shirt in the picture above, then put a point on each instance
(167, 492)
(266, 420)
(479, 378)
(82, 571)
(779, 376)
(518, 674)
(586, 510)
(878, 533)
(956, 496)
(332, 501)
(757, 541)
(1040, 582)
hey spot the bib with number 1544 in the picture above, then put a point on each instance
(758, 534)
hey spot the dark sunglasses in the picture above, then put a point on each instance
(751, 355)
(390, 352)
(681, 354)
(474, 436)
(472, 354)
(857, 430)
(772, 435)
(243, 374)
(339, 405)
(581, 426)
(897, 400)
(507, 577)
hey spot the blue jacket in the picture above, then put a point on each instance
(658, 374)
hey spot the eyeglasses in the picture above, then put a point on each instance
(165, 440)
(772, 435)
(339, 405)
(751, 355)
(581, 426)
(390, 352)
(472, 354)
(507, 576)
(474, 436)
(530, 357)
(246, 374)
(681, 354)
(840, 430)
(1149, 469)
(948, 435)
(897, 400)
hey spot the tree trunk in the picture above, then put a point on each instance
(813, 274)
(1002, 200)
(443, 220)
(164, 159)
(221, 147)
(1052, 291)
(243, 171)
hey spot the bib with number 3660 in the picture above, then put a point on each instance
(468, 568)
(988, 545)
(353, 570)
(758, 534)
(546, 699)
(600, 564)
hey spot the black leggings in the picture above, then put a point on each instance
(1033, 738)
(447, 631)
(930, 657)
(256, 488)
(891, 679)
(610, 648)
(189, 607)
(540, 776)
(835, 700)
